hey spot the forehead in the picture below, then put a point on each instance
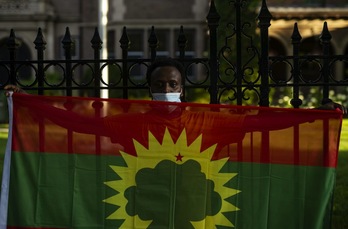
(166, 73)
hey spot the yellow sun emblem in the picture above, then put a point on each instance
(171, 185)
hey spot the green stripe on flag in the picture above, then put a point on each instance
(67, 191)
(281, 196)
(61, 190)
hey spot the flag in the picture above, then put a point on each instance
(107, 163)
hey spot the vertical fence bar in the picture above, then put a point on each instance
(124, 41)
(40, 47)
(67, 45)
(97, 105)
(96, 45)
(264, 23)
(296, 101)
(40, 44)
(325, 38)
(153, 43)
(182, 43)
(296, 38)
(12, 45)
(239, 70)
(213, 19)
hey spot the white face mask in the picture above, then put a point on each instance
(169, 97)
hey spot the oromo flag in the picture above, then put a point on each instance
(107, 163)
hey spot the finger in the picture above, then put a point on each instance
(8, 93)
(13, 88)
(9, 87)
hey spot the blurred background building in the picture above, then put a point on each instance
(81, 16)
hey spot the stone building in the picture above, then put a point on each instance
(81, 16)
(53, 16)
(310, 17)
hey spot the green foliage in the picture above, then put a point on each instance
(3, 108)
(197, 95)
(53, 78)
(280, 97)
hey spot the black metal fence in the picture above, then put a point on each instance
(222, 77)
(223, 80)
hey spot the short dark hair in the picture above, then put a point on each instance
(162, 62)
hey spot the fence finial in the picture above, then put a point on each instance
(264, 16)
(96, 40)
(40, 41)
(296, 36)
(124, 40)
(12, 41)
(325, 36)
(213, 16)
(67, 37)
(153, 43)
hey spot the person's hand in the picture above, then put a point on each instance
(333, 106)
(13, 88)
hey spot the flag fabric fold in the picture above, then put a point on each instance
(6, 167)
(109, 163)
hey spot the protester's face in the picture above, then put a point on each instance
(166, 79)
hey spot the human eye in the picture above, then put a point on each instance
(173, 84)
(159, 84)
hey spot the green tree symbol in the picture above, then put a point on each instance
(172, 195)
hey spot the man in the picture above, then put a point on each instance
(165, 78)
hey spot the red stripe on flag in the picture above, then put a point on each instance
(244, 134)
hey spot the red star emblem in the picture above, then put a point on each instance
(179, 157)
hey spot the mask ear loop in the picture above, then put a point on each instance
(182, 93)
